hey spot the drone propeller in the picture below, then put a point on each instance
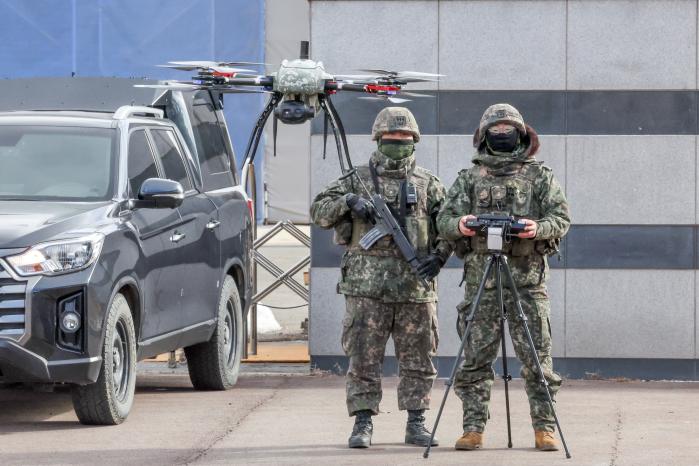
(191, 86)
(415, 94)
(420, 74)
(356, 77)
(404, 74)
(394, 100)
(206, 66)
(244, 63)
(171, 85)
(194, 64)
(376, 79)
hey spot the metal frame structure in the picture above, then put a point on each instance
(281, 277)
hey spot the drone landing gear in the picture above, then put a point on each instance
(256, 134)
(331, 118)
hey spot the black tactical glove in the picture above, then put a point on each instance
(361, 207)
(430, 266)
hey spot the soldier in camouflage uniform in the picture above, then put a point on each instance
(506, 178)
(383, 295)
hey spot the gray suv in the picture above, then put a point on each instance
(123, 235)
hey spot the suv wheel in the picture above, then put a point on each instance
(214, 365)
(109, 400)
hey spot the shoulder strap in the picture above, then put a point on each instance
(374, 178)
(403, 204)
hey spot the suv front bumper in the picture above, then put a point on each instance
(30, 346)
(19, 364)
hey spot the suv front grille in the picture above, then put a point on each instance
(12, 295)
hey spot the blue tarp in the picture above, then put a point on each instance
(127, 38)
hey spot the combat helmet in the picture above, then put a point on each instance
(395, 119)
(501, 113)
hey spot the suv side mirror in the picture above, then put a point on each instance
(159, 193)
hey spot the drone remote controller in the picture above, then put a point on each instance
(509, 225)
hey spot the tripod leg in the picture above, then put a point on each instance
(464, 338)
(505, 374)
(523, 317)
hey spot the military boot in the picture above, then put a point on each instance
(545, 441)
(363, 428)
(469, 441)
(415, 431)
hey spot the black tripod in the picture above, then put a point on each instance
(498, 261)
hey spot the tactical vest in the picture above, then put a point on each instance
(415, 222)
(508, 191)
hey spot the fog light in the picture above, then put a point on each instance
(70, 333)
(70, 323)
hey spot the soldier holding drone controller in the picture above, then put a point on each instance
(505, 180)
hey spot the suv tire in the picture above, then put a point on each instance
(108, 401)
(215, 364)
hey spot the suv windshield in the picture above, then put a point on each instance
(56, 163)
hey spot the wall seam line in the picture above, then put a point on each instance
(74, 7)
(565, 174)
(310, 134)
(696, 162)
(213, 30)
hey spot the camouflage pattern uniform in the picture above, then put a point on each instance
(383, 295)
(515, 184)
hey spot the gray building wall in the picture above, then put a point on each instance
(611, 86)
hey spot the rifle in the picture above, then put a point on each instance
(386, 224)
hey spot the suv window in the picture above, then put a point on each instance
(170, 157)
(56, 163)
(141, 163)
(211, 148)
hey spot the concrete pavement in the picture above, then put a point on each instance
(301, 419)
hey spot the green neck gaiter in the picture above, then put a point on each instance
(493, 159)
(396, 149)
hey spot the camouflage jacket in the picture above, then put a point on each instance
(381, 272)
(518, 186)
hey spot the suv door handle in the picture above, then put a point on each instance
(213, 224)
(177, 237)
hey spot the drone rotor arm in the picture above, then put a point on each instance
(344, 86)
(262, 81)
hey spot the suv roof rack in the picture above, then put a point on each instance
(126, 111)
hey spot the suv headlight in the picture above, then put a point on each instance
(57, 257)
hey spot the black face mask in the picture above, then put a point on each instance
(502, 142)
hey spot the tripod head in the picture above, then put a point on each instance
(497, 228)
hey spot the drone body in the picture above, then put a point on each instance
(301, 77)
(300, 81)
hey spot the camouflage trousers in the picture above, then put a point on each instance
(367, 325)
(475, 376)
